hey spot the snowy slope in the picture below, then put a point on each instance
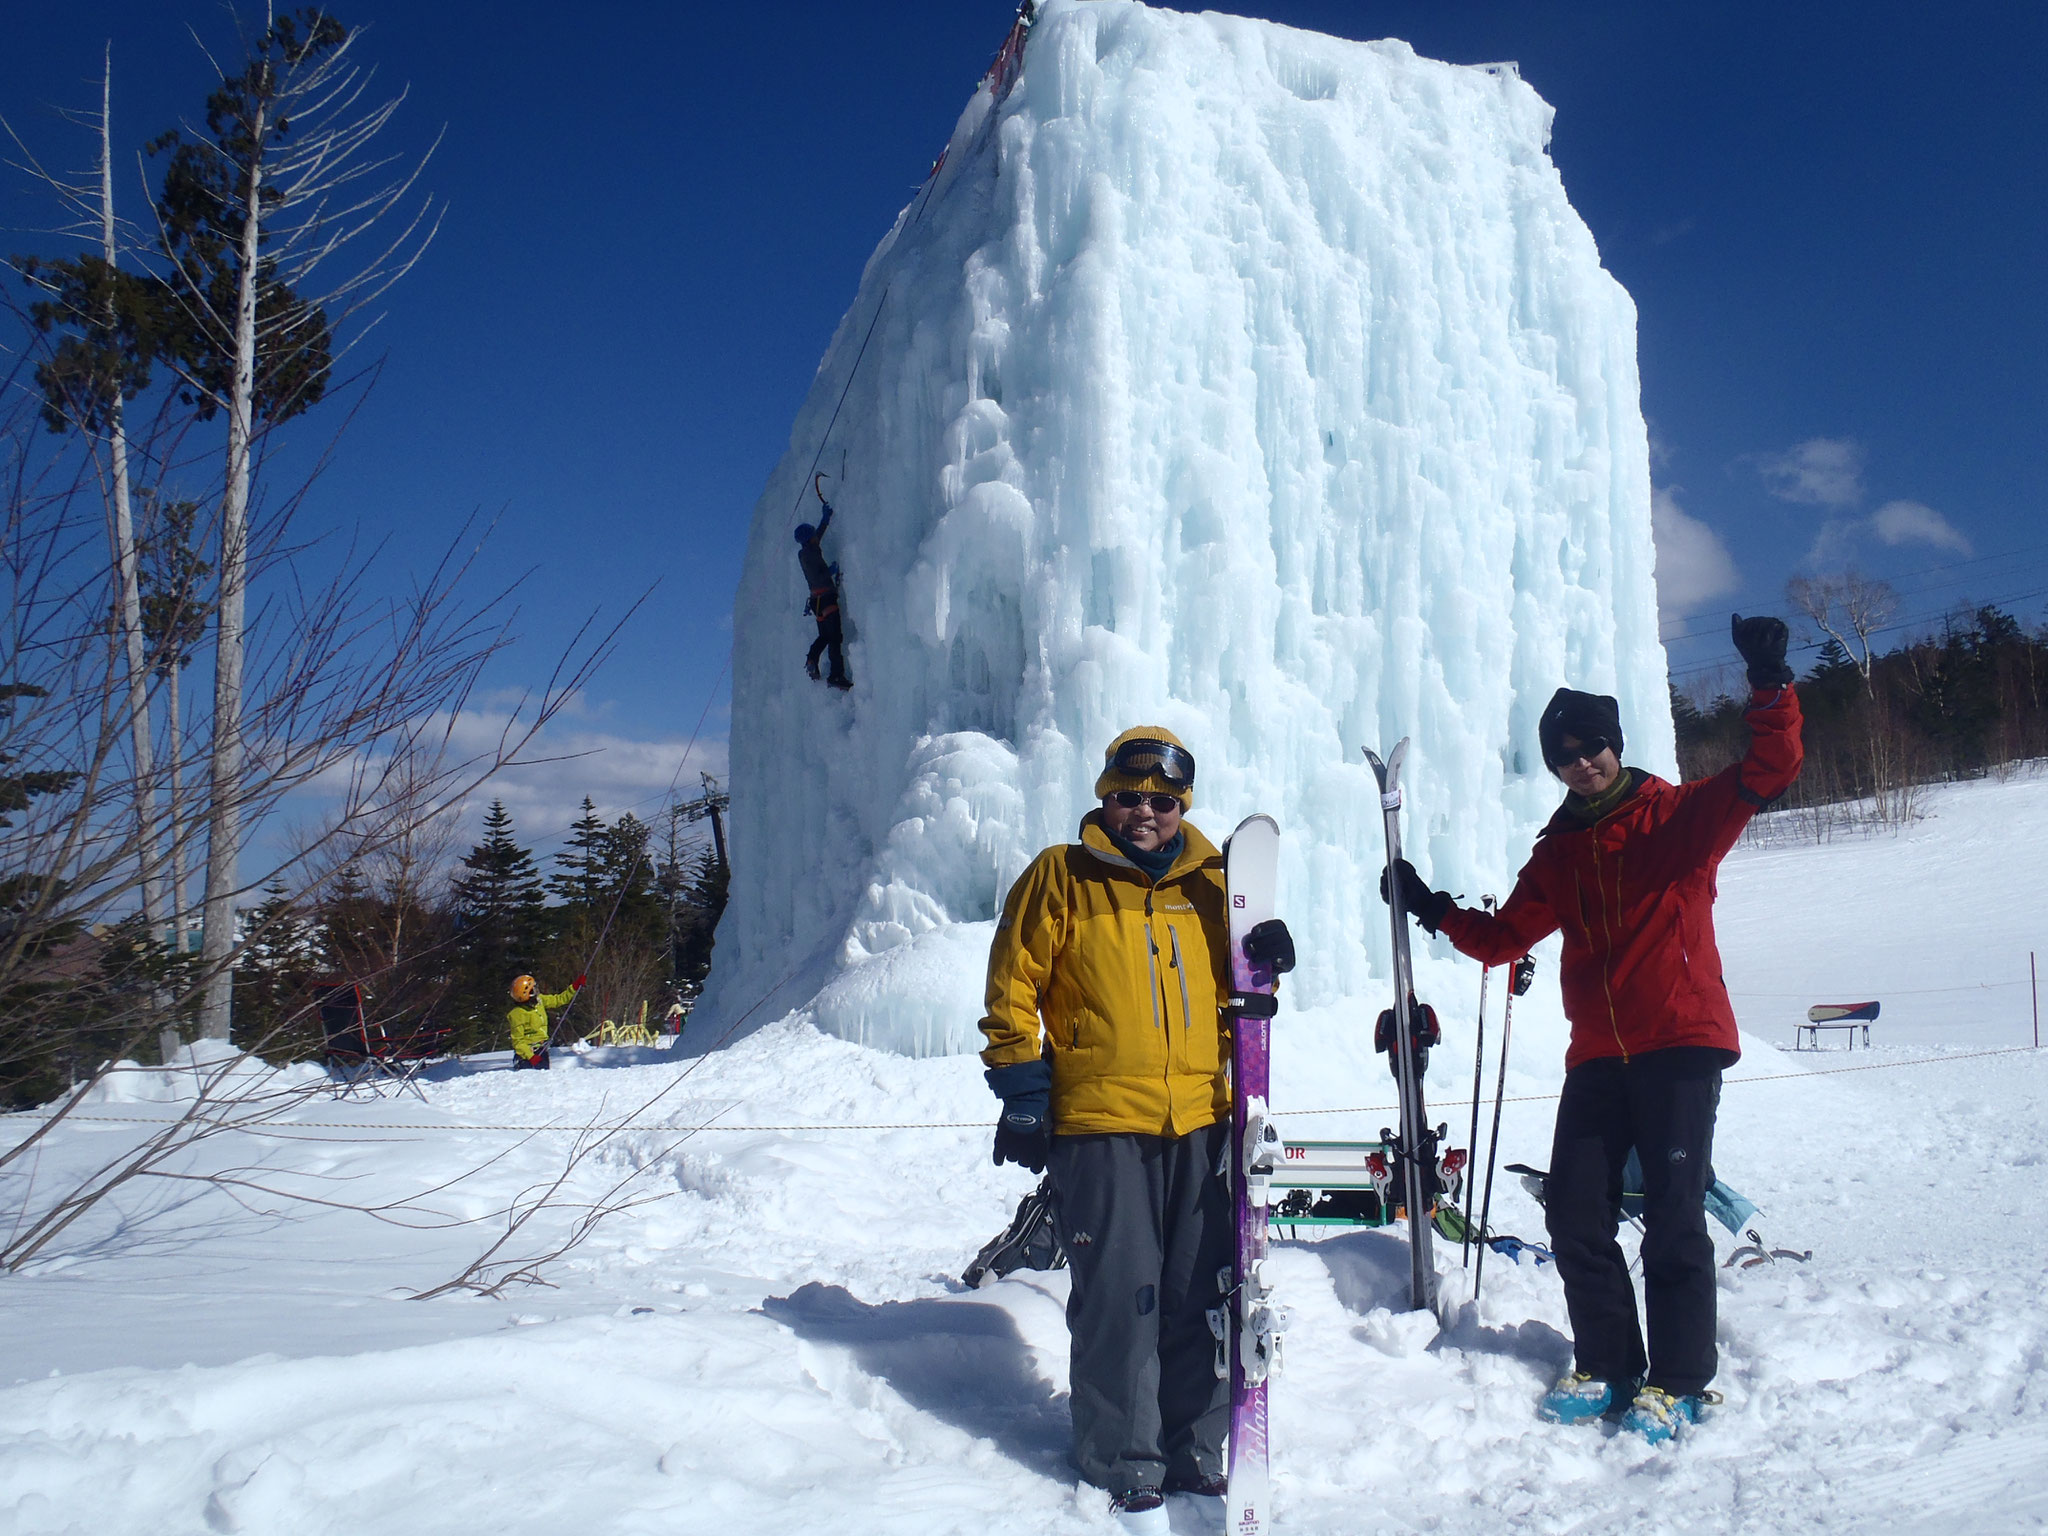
(777, 1345)
(1226, 377)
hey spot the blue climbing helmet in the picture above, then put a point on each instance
(805, 532)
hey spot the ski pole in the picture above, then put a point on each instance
(1520, 974)
(1478, 1067)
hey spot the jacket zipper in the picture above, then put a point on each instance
(1152, 970)
(1606, 964)
(1187, 1011)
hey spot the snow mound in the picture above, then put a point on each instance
(1228, 377)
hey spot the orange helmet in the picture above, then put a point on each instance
(524, 989)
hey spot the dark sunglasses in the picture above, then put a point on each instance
(1145, 758)
(1587, 750)
(1131, 799)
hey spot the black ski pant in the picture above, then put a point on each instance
(1662, 1103)
(1146, 1221)
(831, 639)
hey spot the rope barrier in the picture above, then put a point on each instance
(940, 1125)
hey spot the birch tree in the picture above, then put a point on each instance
(1848, 609)
(175, 611)
(284, 189)
(107, 321)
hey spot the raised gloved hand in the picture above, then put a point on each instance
(1762, 640)
(1426, 906)
(1024, 1133)
(577, 984)
(1269, 943)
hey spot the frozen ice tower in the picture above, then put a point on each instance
(1226, 377)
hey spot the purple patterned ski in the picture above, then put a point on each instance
(1247, 1326)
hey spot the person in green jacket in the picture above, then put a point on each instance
(528, 1017)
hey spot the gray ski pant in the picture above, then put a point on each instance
(1146, 1221)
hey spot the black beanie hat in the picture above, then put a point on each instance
(1582, 716)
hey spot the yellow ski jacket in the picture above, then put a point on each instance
(529, 1021)
(1120, 983)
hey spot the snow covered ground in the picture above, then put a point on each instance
(777, 1343)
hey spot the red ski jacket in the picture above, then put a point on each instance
(1634, 894)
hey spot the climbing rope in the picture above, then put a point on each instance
(851, 374)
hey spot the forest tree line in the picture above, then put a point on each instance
(631, 905)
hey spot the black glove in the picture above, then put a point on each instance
(1522, 976)
(1762, 642)
(1024, 1134)
(1427, 907)
(1269, 943)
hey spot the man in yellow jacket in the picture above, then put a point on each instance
(528, 1017)
(1108, 1047)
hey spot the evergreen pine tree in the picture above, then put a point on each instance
(696, 920)
(273, 980)
(502, 925)
(582, 862)
(500, 900)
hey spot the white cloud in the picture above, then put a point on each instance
(1820, 472)
(1835, 544)
(573, 756)
(1693, 565)
(1909, 522)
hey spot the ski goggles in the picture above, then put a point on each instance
(1585, 751)
(1131, 799)
(1144, 758)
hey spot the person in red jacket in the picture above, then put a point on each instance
(1625, 870)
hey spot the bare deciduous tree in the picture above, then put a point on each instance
(1848, 608)
(362, 697)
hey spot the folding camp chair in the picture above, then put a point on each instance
(374, 1057)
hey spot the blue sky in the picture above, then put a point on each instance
(1831, 217)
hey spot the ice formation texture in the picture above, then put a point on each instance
(1227, 377)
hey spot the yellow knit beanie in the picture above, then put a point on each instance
(1153, 782)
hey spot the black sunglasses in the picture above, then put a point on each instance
(1589, 749)
(1131, 799)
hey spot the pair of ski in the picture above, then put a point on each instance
(1247, 1325)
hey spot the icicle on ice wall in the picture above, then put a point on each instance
(1228, 377)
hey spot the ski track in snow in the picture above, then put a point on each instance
(779, 1343)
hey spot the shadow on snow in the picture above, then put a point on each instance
(961, 1362)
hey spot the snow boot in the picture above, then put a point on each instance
(1658, 1416)
(1206, 1485)
(1581, 1399)
(1141, 1510)
(840, 681)
(811, 669)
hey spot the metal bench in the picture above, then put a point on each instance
(1849, 1016)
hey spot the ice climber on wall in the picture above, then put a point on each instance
(824, 603)
(1107, 1046)
(1626, 869)
(528, 1017)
